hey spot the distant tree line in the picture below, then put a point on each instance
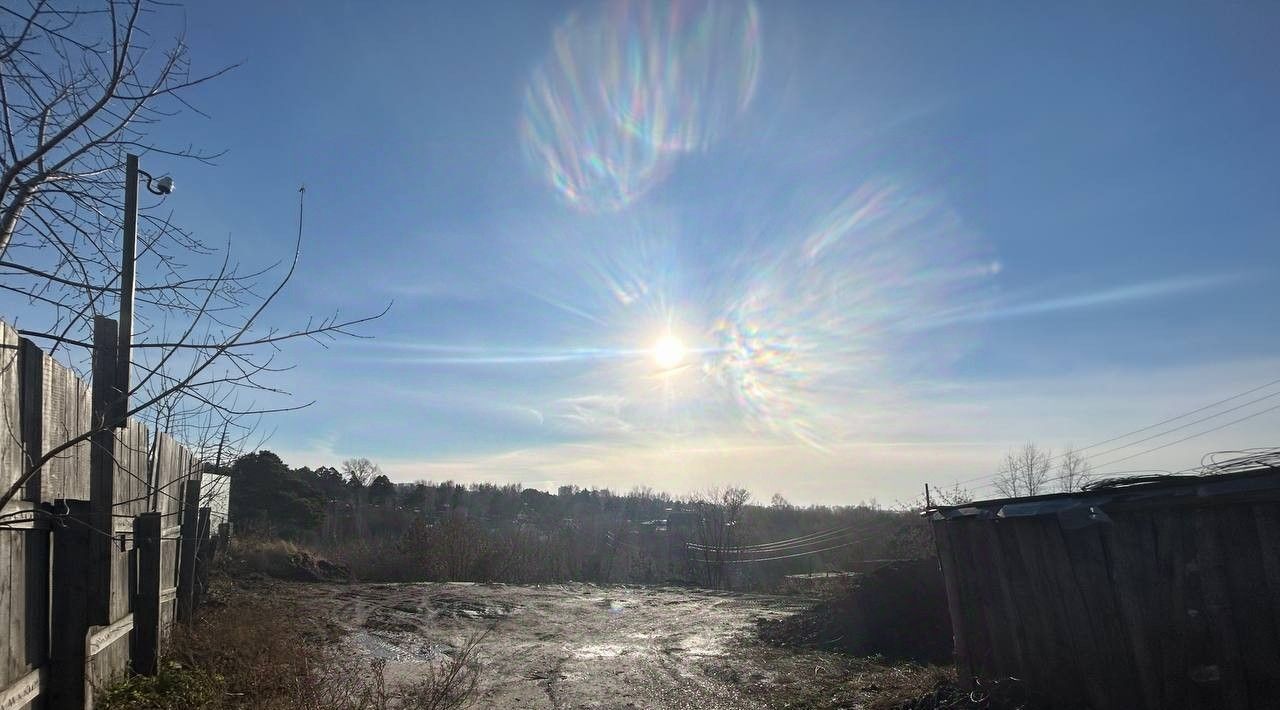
(383, 530)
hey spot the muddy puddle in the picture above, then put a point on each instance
(566, 646)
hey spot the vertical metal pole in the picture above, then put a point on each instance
(127, 283)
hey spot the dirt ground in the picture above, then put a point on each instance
(586, 646)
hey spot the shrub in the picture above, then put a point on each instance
(174, 687)
(449, 684)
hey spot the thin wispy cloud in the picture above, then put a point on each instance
(1113, 296)
(599, 415)
(444, 354)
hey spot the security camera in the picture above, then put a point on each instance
(164, 185)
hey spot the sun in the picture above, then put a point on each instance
(668, 352)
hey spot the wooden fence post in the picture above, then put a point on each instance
(31, 396)
(204, 556)
(188, 547)
(146, 605)
(224, 537)
(102, 470)
(69, 609)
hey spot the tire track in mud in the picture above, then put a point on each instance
(562, 647)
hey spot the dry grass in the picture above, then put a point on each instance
(449, 684)
(247, 650)
(269, 655)
(827, 681)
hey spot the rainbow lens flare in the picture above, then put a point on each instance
(627, 89)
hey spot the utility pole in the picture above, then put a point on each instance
(222, 440)
(128, 279)
(128, 264)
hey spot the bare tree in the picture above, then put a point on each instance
(360, 471)
(718, 538)
(79, 89)
(1024, 471)
(1074, 470)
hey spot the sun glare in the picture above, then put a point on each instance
(668, 352)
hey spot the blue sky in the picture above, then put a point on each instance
(893, 239)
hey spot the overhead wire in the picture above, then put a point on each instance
(1169, 420)
(738, 552)
(800, 541)
(751, 560)
(1192, 436)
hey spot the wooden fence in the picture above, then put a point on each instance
(1156, 595)
(101, 553)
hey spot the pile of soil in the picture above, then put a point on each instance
(306, 567)
(899, 611)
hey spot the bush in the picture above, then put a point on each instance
(174, 687)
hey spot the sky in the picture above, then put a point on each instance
(830, 250)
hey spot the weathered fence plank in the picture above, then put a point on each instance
(69, 614)
(107, 653)
(8, 663)
(1158, 595)
(189, 547)
(24, 692)
(10, 398)
(102, 474)
(204, 555)
(146, 608)
(55, 408)
(1217, 605)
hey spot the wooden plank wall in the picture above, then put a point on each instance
(1163, 607)
(172, 464)
(42, 405)
(24, 551)
(57, 409)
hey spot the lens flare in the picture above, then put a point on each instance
(627, 89)
(822, 328)
(804, 322)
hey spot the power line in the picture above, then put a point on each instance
(1184, 426)
(784, 557)
(1153, 426)
(801, 541)
(1171, 443)
(1192, 436)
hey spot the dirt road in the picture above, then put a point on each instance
(573, 645)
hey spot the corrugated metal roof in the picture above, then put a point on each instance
(1088, 506)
